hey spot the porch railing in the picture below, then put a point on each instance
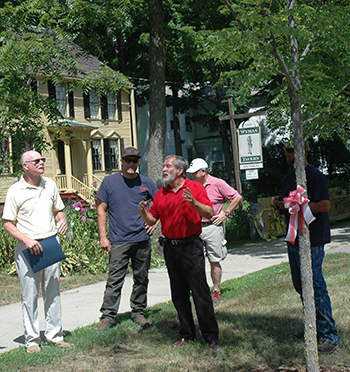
(78, 187)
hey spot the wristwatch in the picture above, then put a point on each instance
(227, 213)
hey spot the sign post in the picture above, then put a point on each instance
(231, 117)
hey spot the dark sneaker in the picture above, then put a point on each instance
(214, 344)
(326, 347)
(216, 296)
(105, 326)
(142, 322)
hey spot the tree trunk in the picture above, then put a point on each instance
(157, 127)
(176, 120)
(312, 364)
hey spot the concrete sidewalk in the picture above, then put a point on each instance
(80, 306)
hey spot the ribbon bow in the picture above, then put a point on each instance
(299, 210)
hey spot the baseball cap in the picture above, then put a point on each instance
(196, 165)
(131, 151)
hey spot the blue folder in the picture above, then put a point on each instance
(52, 253)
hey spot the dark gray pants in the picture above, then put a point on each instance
(140, 255)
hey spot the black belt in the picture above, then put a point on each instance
(182, 241)
(207, 223)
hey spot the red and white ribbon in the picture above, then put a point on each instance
(300, 212)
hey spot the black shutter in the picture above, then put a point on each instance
(71, 104)
(119, 106)
(121, 141)
(104, 107)
(86, 105)
(107, 153)
(52, 89)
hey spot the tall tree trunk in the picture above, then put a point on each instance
(176, 120)
(304, 239)
(157, 128)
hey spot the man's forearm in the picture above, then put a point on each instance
(233, 204)
(204, 210)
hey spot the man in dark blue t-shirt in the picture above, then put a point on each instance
(319, 204)
(118, 197)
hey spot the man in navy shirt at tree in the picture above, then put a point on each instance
(320, 235)
(118, 197)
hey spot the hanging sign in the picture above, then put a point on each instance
(250, 148)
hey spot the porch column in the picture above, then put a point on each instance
(68, 164)
(89, 167)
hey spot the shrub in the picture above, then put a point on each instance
(237, 226)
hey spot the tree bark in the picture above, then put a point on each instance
(312, 363)
(157, 128)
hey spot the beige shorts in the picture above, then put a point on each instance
(214, 242)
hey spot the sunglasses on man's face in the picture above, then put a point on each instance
(289, 150)
(131, 160)
(36, 161)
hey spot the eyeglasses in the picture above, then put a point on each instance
(289, 150)
(37, 161)
(130, 160)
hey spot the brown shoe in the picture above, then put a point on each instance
(214, 344)
(105, 325)
(142, 322)
(326, 347)
(180, 343)
(33, 349)
(63, 344)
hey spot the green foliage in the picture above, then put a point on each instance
(7, 248)
(237, 227)
(256, 47)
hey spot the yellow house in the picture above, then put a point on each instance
(87, 142)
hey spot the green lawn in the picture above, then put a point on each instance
(258, 315)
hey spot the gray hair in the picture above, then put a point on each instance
(179, 162)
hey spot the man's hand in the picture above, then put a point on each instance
(219, 218)
(62, 227)
(105, 244)
(188, 196)
(143, 205)
(33, 246)
(278, 203)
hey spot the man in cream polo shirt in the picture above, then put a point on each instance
(32, 208)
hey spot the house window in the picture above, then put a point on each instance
(111, 152)
(96, 150)
(61, 99)
(59, 93)
(108, 106)
(188, 124)
(217, 158)
(93, 104)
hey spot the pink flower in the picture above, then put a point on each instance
(82, 210)
(83, 218)
(77, 205)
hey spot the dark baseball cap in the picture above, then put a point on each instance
(131, 151)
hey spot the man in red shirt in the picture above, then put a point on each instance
(180, 206)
